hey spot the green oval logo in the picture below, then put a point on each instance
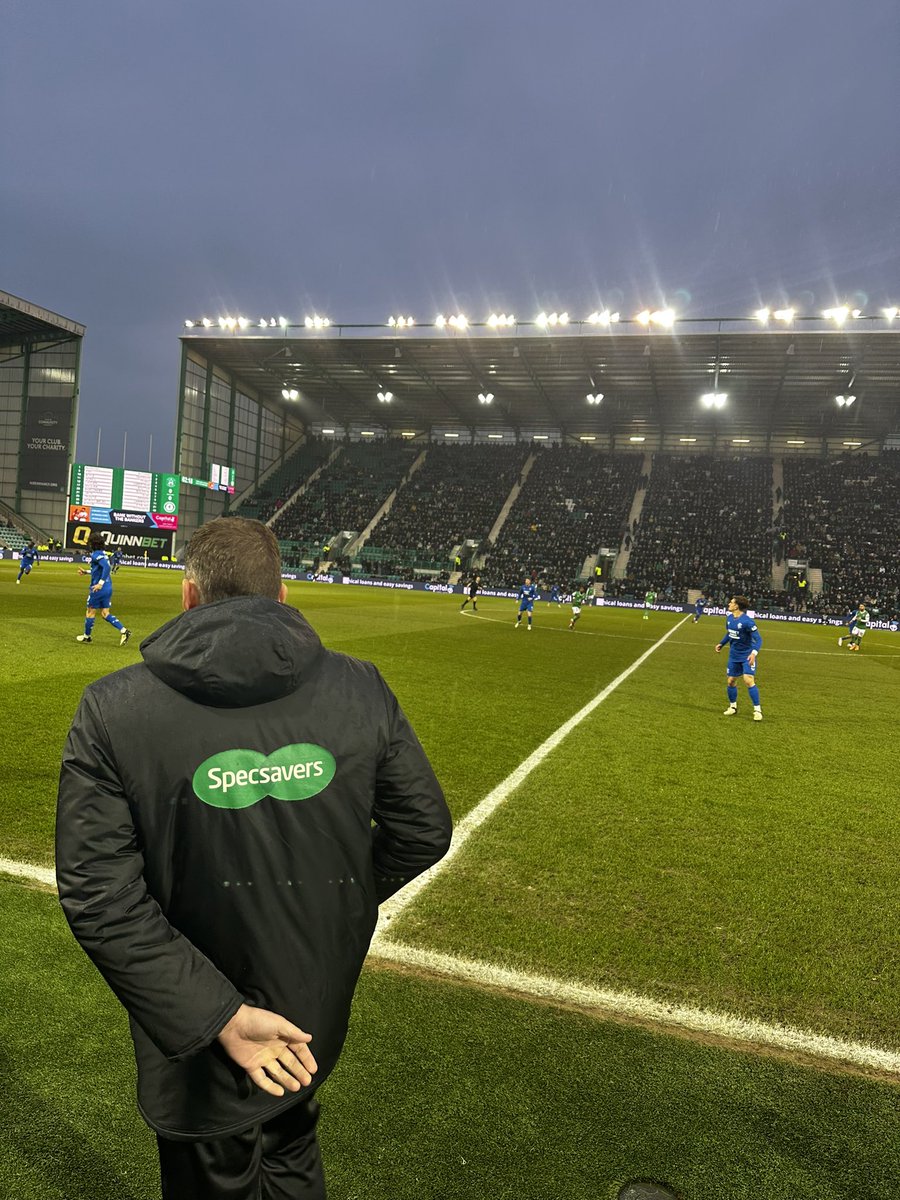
(241, 778)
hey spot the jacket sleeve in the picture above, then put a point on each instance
(168, 987)
(412, 821)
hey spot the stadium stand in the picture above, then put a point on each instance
(347, 494)
(574, 501)
(841, 515)
(456, 494)
(282, 483)
(706, 523)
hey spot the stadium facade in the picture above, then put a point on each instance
(40, 361)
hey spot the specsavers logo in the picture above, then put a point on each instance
(240, 778)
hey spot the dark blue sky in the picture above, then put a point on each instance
(172, 160)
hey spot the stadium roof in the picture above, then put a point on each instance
(21, 321)
(779, 383)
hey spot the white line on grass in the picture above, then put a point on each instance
(492, 801)
(630, 1005)
(27, 871)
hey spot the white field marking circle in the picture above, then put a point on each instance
(631, 1005)
(492, 801)
(627, 637)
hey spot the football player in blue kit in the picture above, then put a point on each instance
(743, 641)
(99, 597)
(30, 556)
(528, 593)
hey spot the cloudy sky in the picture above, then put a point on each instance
(171, 160)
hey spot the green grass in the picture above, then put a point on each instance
(443, 1092)
(661, 848)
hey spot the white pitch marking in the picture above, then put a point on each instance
(27, 871)
(743, 1030)
(492, 801)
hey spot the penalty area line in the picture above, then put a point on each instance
(492, 801)
(21, 870)
(740, 1032)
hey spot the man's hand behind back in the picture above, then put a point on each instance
(273, 1052)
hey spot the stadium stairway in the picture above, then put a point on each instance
(478, 561)
(815, 580)
(279, 512)
(356, 546)
(22, 524)
(620, 566)
(779, 569)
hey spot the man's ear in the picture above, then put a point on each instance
(190, 595)
(282, 595)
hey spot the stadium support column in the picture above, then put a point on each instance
(232, 402)
(176, 466)
(26, 375)
(207, 401)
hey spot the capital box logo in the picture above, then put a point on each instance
(241, 778)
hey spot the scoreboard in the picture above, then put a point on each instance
(115, 488)
(136, 511)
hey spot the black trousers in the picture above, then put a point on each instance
(278, 1160)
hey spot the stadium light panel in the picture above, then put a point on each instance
(539, 437)
(459, 321)
(587, 437)
(495, 435)
(263, 323)
(290, 394)
(640, 438)
(282, 321)
(844, 401)
(603, 318)
(890, 313)
(385, 397)
(451, 435)
(328, 431)
(440, 321)
(367, 433)
(762, 315)
(485, 397)
(407, 433)
(856, 314)
(541, 320)
(687, 439)
(664, 317)
(740, 441)
(796, 441)
(838, 314)
(594, 397)
(784, 314)
(714, 399)
(206, 323)
(852, 443)
(189, 324)
(643, 317)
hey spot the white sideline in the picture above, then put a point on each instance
(630, 1005)
(27, 871)
(492, 801)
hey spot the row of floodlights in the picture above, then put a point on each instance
(664, 317)
(708, 399)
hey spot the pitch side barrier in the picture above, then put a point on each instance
(456, 589)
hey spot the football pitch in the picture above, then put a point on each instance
(663, 945)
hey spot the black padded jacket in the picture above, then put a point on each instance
(231, 812)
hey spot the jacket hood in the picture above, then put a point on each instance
(234, 653)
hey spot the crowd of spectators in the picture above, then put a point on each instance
(706, 523)
(842, 515)
(282, 483)
(456, 494)
(574, 502)
(348, 492)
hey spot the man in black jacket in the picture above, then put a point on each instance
(231, 812)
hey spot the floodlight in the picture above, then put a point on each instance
(493, 320)
(263, 323)
(637, 439)
(495, 435)
(714, 399)
(459, 321)
(189, 324)
(664, 317)
(282, 321)
(839, 314)
(243, 322)
(740, 441)
(385, 397)
(206, 323)
(643, 316)
(844, 401)
(594, 397)
(485, 397)
(890, 313)
(856, 314)
(541, 320)
(784, 314)
(687, 439)
(440, 321)
(762, 315)
(290, 394)
(852, 443)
